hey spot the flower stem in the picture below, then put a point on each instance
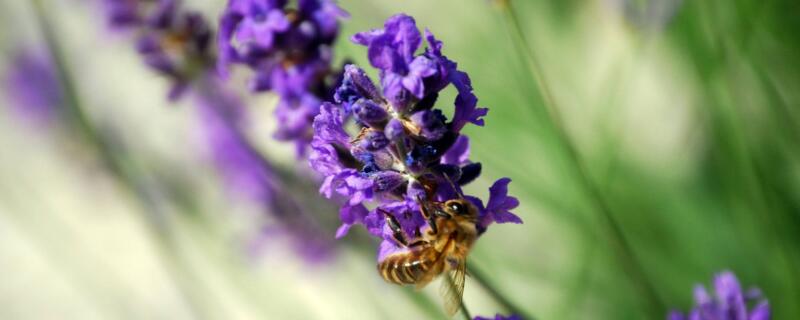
(618, 242)
(186, 282)
(464, 311)
(480, 277)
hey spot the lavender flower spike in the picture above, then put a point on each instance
(247, 174)
(290, 51)
(729, 303)
(405, 149)
(172, 41)
(175, 42)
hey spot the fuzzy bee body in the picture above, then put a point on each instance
(409, 267)
(442, 249)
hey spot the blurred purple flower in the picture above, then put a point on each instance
(729, 303)
(32, 86)
(175, 42)
(499, 317)
(290, 51)
(247, 173)
(405, 150)
(171, 40)
(121, 14)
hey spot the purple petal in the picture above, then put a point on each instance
(701, 296)
(414, 86)
(730, 296)
(370, 113)
(388, 248)
(385, 181)
(329, 124)
(434, 45)
(366, 37)
(350, 215)
(420, 68)
(499, 205)
(356, 84)
(499, 317)
(342, 230)
(761, 312)
(394, 91)
(405, 35)
(383, 55)
(676, 315)
(467, 111)
(458, 154)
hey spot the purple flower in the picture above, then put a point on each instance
(247, 174)
(290, 51)
(32, 86)
(499, 317)
(122, 13)
(407, 77)
(729, 302)
(241, 167)
(177, 47)
(392, 50)
(375, 151)
(172, 41)
(499, 206)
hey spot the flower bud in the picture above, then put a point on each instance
(370, 113)
(374, 141)
(387, 180)
(394, 130)
(431, 124)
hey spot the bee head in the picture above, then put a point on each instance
(461, 208)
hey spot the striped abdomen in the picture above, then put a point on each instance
(413, 267)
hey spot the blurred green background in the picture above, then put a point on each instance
(669, 150)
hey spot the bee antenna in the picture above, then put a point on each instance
(453, 185)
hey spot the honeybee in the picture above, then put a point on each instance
(442, 249)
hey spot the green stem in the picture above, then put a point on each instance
(617, 240)
(117, 166)
(504, 302)
(464, 311)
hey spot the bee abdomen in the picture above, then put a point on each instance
(404, 268)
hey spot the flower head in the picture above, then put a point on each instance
(728, 303)
(290, 51)
(390, 149)
(248, 175)
(172, 41)
(175, 43)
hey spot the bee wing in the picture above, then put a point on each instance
(431, 274)
(452, 289)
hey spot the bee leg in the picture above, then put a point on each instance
(434, 229)
(442, 214)
(397, 231)
(418, 243)
(428, 216)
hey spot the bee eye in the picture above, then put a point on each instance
(457, 208)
